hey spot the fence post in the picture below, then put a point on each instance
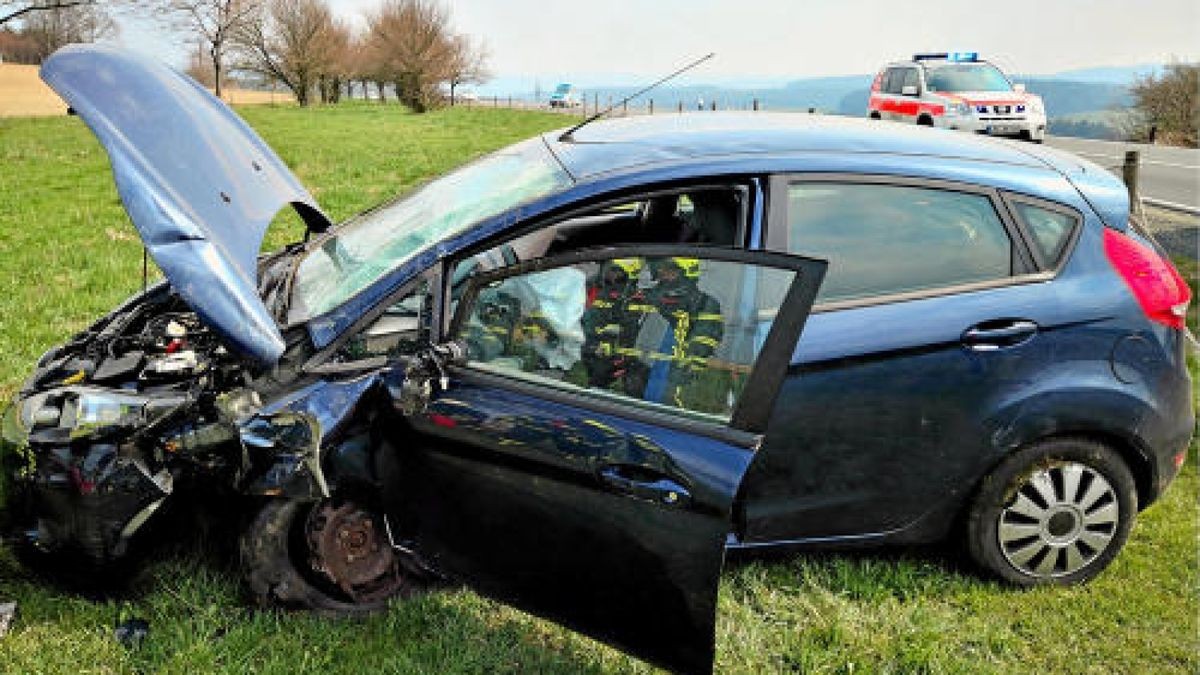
(595, 103)
(510, 101)
(625, 109)
(755, 105)
(651, 106)
(1153, 133)
(714, 105)
(681, 106)
(1129, 172)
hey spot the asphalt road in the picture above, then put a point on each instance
(1169, 176)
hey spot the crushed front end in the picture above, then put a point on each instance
(108, 424)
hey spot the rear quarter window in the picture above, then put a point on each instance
(887, 239)
(1050, 229)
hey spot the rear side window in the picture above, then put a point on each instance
(888, 239)
(1051, 230)
(911, 79)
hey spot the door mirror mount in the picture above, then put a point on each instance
(420, 369)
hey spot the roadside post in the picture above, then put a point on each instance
(1129, 173)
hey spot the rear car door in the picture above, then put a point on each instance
(933, 316)
(583, 464)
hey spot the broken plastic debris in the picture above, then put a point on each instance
(131, 632)
(8, 611)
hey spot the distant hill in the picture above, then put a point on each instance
(1119, 75)
(1067, 95)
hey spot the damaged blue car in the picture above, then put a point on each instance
(575, 373)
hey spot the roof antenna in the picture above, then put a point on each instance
(567, 135)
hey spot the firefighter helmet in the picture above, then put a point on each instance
(688, 267)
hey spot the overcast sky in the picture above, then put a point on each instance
(769, 39)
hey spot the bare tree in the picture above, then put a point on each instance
(215, 22)
(55, 27)
(412, 45)
(293, 42)
(16, 47)
(1170, 103)
(334, 63)
(467, 63)
(10, 11)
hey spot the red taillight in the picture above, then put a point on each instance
(1157, 285)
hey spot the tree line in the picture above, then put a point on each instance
(407, 46)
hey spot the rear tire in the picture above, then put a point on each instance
(1053, 513)
(281, 567)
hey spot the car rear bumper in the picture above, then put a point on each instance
(1173, 436)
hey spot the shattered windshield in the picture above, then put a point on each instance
(966, 77)
(369, 246)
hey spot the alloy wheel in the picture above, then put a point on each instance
(1059, 519)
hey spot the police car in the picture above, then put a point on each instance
(956, 90)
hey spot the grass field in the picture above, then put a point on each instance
(68, 254)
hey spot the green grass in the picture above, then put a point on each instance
(68, 254)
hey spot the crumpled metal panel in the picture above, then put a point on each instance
(200, 186)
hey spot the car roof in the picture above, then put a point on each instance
(640, 141)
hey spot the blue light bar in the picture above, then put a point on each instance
(963, 56)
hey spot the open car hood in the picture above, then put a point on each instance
(199, 184)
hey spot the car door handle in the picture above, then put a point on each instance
(993, 335)
(642, 483)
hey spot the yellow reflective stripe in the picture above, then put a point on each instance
(602, 304)
(709, 317)
(638, 307)
(705, 340)
(600, 425)
(497, 329)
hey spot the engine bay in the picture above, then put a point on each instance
(110, 421)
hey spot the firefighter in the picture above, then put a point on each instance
(505, 332)
(694, 333)
(616, 310)
(490, 337)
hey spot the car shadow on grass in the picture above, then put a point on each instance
(869, 574)
(200, 618)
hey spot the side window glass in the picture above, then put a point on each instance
(395, 333)
(674, 333)
(911, 78)
(885, 239)
(714, 216)
(1051, 230)
(892, 80)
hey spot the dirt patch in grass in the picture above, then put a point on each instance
(23, 94)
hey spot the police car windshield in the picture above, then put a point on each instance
(368, 247)
(966, 77)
